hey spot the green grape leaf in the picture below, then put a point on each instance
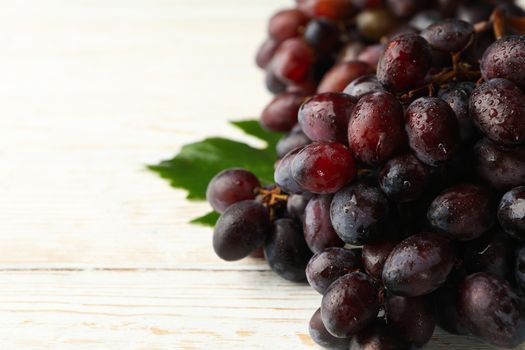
(209, 219)
(196, 163)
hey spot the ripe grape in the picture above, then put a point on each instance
(464, 212)
(371, 54)
(323, 167)
(451, 35)
(445, 308)
(295, 138)
(376, 130)
(325, 117)
(404, 178)
(405, 62)
(286, 250)
(350, 304)
(358, 212)
(433, 131)
(374, 255)
(457, 96)
(318, 230)
(342, 74)
(283, 173)
(286, 24)
(491, 310)
(418, 265)
(292, 60)
(498, 110)
(505, 58)
(322, 337)
(296, 205)
(332, 9)
(231, 186)
(323, 35)
(240, 230)
(362, 86)
(273, 84)
(266, 52)
(374, 23)
(511, 213)
(377, 336)
(281, 114)
(326, 267)
(412, 319)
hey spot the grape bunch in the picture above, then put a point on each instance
(399, 197)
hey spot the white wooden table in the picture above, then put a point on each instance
(96, 252)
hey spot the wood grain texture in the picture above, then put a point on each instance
(96, 251)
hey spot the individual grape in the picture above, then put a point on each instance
(377, 336)
(322, 337)
(445, 310)
(326, 267)
(412, 319)
(281, 113)
(492, 253)
(337, 78)
(318, 230)
(323, 167)
(240, 230)
(273, 84)
(511, 213)
(323, 35)
(325, 117)
(457, 96)
(292, 60)
(371, 54)
(374, 255)
(375, 132)
(374, 23)
(296, 205)
(404, 178)
(295, 138)
(491, 310)
(266, 52)
(450, 35)
(286, 250)
(350, 304)
(231, 186)
(287, 24)
(418, 265)
(424, 19)
(331, 9)
(505, 58)
(498, 110)
(433, 131)
(358, 213)
(405, 62)
(283, 173)
(362, 86)
(464, 211)
(502, 168)
(519, 272)
(406, 8)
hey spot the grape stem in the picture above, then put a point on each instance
(272, 198)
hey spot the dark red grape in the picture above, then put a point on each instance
(322, 337)
(350, 304)
(342, 74)
(519, 272)
(406, 8)
(371, 54)
(358, 213)
(323, 35)
(366, 4)
(325, 117)
(445, 308)
(373, 24)
(296, 205)
(240, 230)
(323, 167)
(374, 255)
(412, 319)
(498, 109)
(418, 265)
(377, 336)
(281, 114)
(492, 253)
(464, 211)
(362, 86)
(292, 60)
(450, 35)
(231, 186)
(266, 52)
(283, 173)
(376, 130)
(286, 24)
(404, 178)
(332, 9)
(295, 138)
(457, 96)
(318, 230)
(491, 310)
(502, 168)
(505, 58)
(286, 250)
(511, 213)
(405, 62)
(433, 131)
(326, 267)
(273, 84)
